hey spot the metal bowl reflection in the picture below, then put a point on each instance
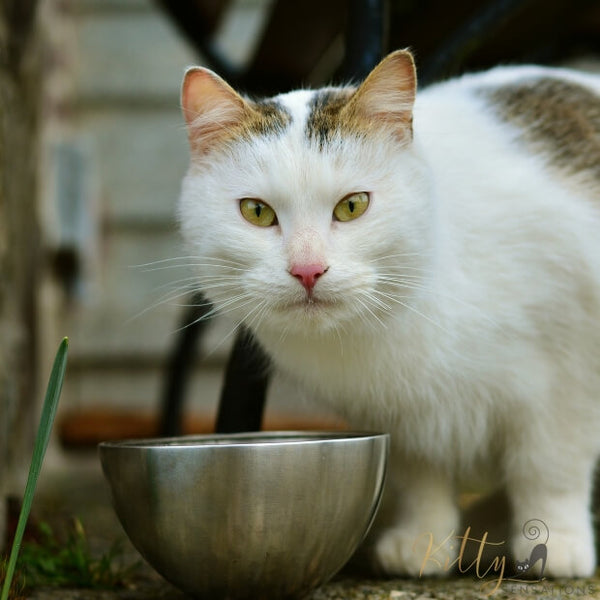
(258, 515)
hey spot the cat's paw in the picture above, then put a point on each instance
(404, 552)
(569, 554)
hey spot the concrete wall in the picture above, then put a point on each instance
(125, 149)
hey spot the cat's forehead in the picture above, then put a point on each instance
(301, 149)
(286, 163)
(296, 104)
(314, 113)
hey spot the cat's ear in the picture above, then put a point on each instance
(387, 95)
(211, 107)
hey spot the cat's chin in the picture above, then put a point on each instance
(311, 316)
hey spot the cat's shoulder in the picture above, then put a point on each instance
(522, 86)
(509, 75)
(552, 110)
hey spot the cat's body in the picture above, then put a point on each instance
(460, 312)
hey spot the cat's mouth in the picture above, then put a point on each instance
(306, 315)
(310, 303)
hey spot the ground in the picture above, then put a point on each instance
(75, 487)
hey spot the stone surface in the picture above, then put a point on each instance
(349, 588)
(357, 589)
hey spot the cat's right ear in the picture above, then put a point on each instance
(211, 107)
(388, 93)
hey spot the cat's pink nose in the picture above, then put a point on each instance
(308, 274)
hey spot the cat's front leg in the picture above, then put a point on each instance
(421, 523)
(553, 509)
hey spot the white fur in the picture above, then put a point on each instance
(485, 364)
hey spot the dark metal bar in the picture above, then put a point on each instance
(468, 38)
(366, 37)
(188, 17)
(243, 397)
(180, 365)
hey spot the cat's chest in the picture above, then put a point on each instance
(357, 373)
(409, 390)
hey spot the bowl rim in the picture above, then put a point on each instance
(244, 439)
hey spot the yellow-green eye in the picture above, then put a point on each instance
(351, 207)
(257, 212)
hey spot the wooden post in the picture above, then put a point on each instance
(20, 95)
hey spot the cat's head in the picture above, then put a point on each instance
(522, 566)
(309, 210)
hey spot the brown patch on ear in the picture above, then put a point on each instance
(387, 95)
(215, 112)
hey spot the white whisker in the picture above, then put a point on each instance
(190, 262)
(166, 299)
(376, 301)
(259, 314)
(242, 322)
(195, 266)
(366, 307)
(413, 309)
(400, 255)
(415, 285)
(195, 283)
(224, 308)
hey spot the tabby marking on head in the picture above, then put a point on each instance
(325, 114)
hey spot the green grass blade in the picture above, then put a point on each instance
(39, 450)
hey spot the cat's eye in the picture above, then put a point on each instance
(257, 212)
(351, 206)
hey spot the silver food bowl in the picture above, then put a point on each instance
(256, 515)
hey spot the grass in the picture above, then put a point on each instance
(42, 438)
(17, 588)
(67, 561)
(54, 561)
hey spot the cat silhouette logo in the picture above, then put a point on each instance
(533, 530)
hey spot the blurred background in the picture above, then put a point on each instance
(92, 151)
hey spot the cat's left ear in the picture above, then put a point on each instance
(388, 93)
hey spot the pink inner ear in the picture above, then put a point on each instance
(198, 93)
(210, 107)
(187, 94)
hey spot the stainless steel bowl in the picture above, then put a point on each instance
(260, 515)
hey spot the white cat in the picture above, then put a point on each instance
(426, 266)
